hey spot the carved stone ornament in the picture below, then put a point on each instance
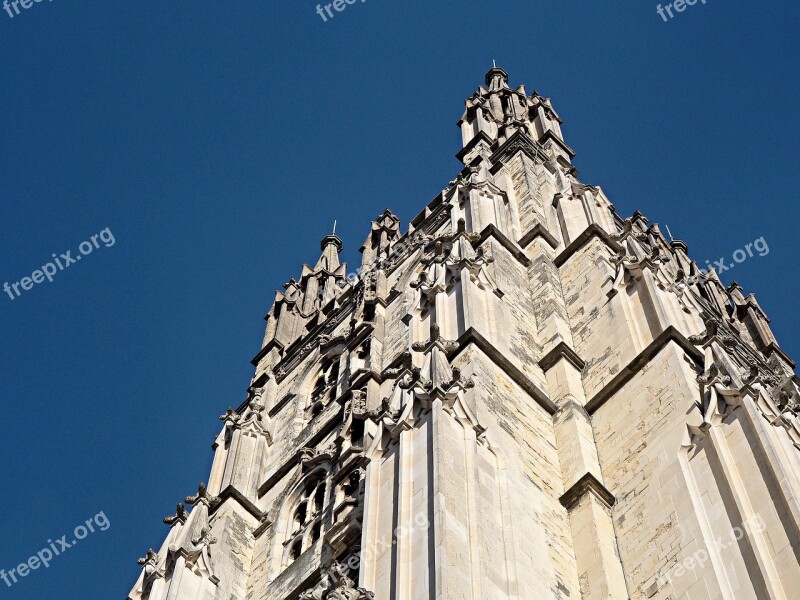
(202, 497)
(180, 516)
(149, 563)
(314, 456)
(336, 585)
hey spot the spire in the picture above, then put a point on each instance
(330, 246)
(496, 78)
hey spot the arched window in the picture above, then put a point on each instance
(324, 387)
(306, 514)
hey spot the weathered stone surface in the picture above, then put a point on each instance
(524, 397)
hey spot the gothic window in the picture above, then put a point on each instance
(357, 433)
(348, 493)
(369, 312)
(306, 516)
(362, 353)
(324, 387)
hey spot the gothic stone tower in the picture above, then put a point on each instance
(523, 396)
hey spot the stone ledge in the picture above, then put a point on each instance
(670, 334)
(773, 348)
(587, 484)
(273, 343)
(308, 437)
(471, 336)
(231, 493)
(513, 249)
(480, 137)
(560, 351)
(591, 232)
(518, 142)
(538, 231)
(549, 135)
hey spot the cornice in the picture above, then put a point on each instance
(231, 493)
(588, 234)
(471, 336)
(273, 343)
(773, 348)
(518, 142)
(538, 231)
(587, 484)
(430, 222)
(549, 135)
(561, 350)
(481, 137)
(670, 334)
(513, 249)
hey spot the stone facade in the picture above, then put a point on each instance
(523, 396)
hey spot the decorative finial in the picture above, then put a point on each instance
(494, 64)
(334, 227)
(669, 233)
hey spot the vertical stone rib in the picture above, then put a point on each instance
(403, 533)
(705, 527)
(509, 541)
(439, 502)
(470, 451)
(369, 533)
(759, 545)
(784, 477)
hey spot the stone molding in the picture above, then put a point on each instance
(670, 334)
(231, 493)
(538, 231)
(562, 350)
(295, 458)
(518, 142)
(591, 232)
(475, 141)
(472, 336)
(513, 249)
(587, 484)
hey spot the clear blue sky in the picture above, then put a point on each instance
(218, 141)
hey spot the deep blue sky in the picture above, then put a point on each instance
(219, 140)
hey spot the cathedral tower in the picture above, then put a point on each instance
(520, 396)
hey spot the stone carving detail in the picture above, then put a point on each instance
(249, 422)
(149, 564)
(202, 541)
(777, 398)
(418, 388)
(452, 254)
(635, 254)
(437, 374)
(314, 456)
(317, 338)
(181, 514)
(202, 497)
(714, 376)
(336, 585)
(680, 286)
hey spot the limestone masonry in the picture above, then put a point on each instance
(523, 396)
